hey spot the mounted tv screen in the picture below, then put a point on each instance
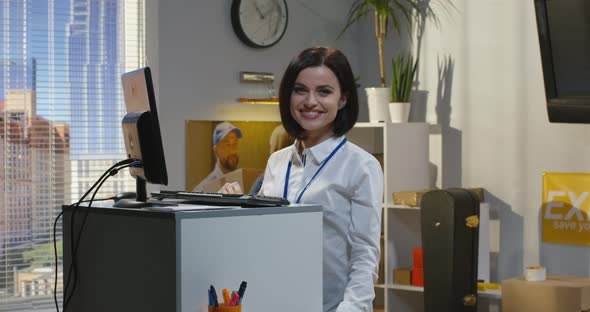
(564, 36)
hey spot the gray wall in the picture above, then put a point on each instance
(480, 82)
(197, 59)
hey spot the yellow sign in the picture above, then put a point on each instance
(565, 208)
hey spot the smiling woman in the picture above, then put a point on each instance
(259, 23)
(319, 105)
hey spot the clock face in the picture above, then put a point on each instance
(259, 23)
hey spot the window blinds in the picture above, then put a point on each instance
(61, 107)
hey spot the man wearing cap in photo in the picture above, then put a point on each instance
(225, 147)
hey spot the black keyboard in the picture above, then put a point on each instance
(218, 199)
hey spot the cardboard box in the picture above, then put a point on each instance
(244, 176)
(409, 198)
(414, 198)
(402, 276)
(558, 293)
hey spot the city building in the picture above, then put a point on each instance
(96, 61)
(61, 107)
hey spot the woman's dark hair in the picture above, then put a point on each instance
(337, 62)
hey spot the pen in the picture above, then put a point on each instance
(225, 294)
(214, 296)
(210, 297)
(234, 299)
(241, 291)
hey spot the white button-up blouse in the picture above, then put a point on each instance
(350, 189)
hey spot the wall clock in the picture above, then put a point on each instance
(259, 23)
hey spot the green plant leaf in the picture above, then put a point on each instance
(402, 76)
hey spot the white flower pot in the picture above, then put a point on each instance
(377, 99)
(399, 112)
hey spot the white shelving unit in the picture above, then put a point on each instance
(404, 148)
(404, 152)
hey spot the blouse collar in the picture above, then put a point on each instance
(317, 153)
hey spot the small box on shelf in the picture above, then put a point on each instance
(408, 198)
(402, 276)
(418, 277)
(417, 267)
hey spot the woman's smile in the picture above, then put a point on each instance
(311, 115)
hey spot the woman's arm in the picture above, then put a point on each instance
(364, 235)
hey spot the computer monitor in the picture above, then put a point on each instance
(141, 131)
(564, 38)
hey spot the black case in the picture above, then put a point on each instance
(450, 233)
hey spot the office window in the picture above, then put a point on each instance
(61, 106)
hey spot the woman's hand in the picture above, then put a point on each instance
(231, 188)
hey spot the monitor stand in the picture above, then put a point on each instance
(141, 198)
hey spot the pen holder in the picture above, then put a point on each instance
(225, 308)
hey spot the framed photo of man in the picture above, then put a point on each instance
(224, 151)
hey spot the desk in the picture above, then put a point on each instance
(139, 260)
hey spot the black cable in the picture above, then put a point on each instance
(109, 172)
(79, 235)
(55, 250)
(76, 245)
(55, 237)
(56, 259)
(73, 265)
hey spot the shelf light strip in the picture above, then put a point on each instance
(267, 101)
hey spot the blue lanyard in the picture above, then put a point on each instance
(298, 199)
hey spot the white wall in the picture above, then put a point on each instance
(489, 105)
(498, 125)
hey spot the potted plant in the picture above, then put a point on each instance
(400, 13)
(396, 14)
(403, 72)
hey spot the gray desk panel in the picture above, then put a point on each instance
(279, 255)
(122, 260)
